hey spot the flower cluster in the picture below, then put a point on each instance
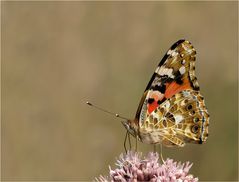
(133, 167)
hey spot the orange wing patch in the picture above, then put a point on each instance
(152, 106)
(154, 97)
(173, 88)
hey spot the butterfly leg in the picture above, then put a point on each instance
(161, 153)
(125, 141)
(129, 140)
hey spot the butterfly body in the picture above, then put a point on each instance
(172, 111)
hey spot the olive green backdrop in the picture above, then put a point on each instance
(57, 55)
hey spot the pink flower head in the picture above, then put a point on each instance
(133, 167)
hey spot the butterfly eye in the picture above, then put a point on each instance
(195, 129)
(150, 100)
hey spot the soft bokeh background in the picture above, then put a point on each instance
(57, 55)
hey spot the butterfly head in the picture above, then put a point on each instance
(131, 127)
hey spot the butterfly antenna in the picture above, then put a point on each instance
(104, 110)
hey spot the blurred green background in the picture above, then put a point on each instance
(57, 55)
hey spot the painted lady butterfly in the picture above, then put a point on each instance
(172, 111)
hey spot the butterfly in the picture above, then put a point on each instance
(172, 111)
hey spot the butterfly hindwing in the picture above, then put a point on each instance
(179, 119)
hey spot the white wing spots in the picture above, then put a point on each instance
(186, 93)
(172, 53)
(169, 52)
(155, 94)
(167, 105)
(165, 71)
(157, 81)
(183, 61)
(182, 70)
(178, 118)
(155, 115)
(157, 69)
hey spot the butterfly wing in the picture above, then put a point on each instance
(172, 111)
(175, 72)
(180, 119)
